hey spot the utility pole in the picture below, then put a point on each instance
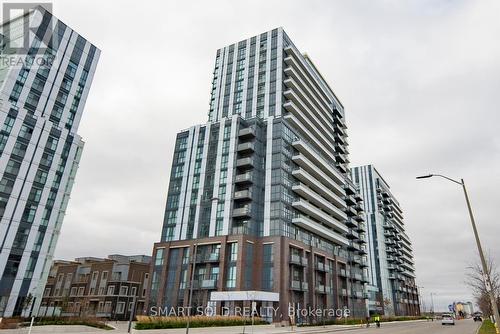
(486, 271)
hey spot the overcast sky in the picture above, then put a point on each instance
(420, 81)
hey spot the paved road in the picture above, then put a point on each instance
(433, 327)
(420, 327)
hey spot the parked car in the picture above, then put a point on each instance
(447, 319)
(477, 316)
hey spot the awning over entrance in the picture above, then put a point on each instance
(264, 296)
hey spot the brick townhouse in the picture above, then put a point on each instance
(101, 287)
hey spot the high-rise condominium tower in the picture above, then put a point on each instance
(391, 271)
(262, 192)
(45, 74)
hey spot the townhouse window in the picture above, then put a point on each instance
(120, 307)
(111, 290)
(124, 290)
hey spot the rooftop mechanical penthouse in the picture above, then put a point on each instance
(261, 194)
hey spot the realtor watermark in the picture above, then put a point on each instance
(28, 36)
(247, 311)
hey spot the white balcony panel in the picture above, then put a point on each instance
(304, 96)
(327, 149)
(289, 50)
(321, 216)
(310, 169)
(309, 153)
(325, 232)
(319, 201)
(301, 111)
(323, 189)
(319, 103)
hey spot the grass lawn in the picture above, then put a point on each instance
(487, 327)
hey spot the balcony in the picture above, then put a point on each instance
(302, 119)
(340, 157)
(319, 201)
(361, 227)
(307, 152)
(353, 246)
(329, 190)
(349, 199)
(317, 228)
(247, 133)
(295, 285)
(342, 167)
(343, 273)
(351, 234)
(343, 292)
(243, 212)
(357, 277)
(309, 173)
(246, 147)
(320, 289)
(350, 222)
(358, 294)
(245, 163)
(316, 213)
(208, 257)
(245, 178)
(300, 96)
(298, 260)
(364, 278)
(362, 250)
(321, 266)
(360, 217)
(243, 195)
(208, 284)
(305, 286)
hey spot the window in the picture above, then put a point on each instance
(100, 307)
(104, 275)
(73, 291)
(231, 277)
(120, 307)
(124, 290)
(133, 291)
(233, 251)
(159, 257)
(81, 291)
(111, 290)
(46, 292)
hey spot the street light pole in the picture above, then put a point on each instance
(432, 303)
(486, 272)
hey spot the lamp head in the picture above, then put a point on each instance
(425, 176)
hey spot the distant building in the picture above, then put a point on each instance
(391, 271)
(97, 287)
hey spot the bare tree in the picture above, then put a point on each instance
(475, 280)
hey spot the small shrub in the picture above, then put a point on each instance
(146, 322)
(91, 322)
